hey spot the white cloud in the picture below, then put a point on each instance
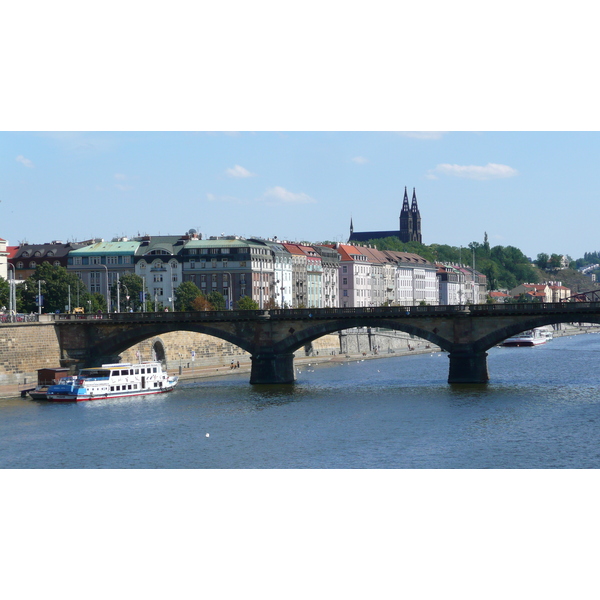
(239, 172)
(361, 160)
(120, 176)
(489, 171)
(123, 188)
(279, 195)
(423, 135)
(24, 161)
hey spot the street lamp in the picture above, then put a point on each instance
(107, 290)
(40, 281)
(172, 288)
(229, 292)
(12, 294)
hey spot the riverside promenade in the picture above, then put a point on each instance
(421, 346)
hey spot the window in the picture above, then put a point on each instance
(158, 291)
(158, 277)
(225, 263)
(345, 281)
(32, 264)
(56, 263)
(95, 260)
(112, 260)
(344, 269)
(77, 260)
(214, 263)
(19, 265)
(345, 293)
(192, 263)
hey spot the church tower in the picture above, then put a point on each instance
(406, 221)
(416, 219)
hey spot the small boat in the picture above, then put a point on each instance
(40, 392)
(531, 337)
(114, 381)
(45, 378)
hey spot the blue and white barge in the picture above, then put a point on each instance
(114, 381)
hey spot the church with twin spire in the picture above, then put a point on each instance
(410, 225)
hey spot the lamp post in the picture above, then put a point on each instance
(126, 295)
(229, 292)
(12, 295)
(40, 281)
(107, 290)
(172, 288)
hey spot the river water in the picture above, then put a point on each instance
(540, 410)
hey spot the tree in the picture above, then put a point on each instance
(555, 261)
(185, 294)
(216, 300)
(4, 293)
(542, 260)
(55, 289)
(201, 303)
(246, 303)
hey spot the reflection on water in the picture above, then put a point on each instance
(539, 410)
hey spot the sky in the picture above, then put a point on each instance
(537, 191)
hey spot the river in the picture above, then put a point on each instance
(540, 410)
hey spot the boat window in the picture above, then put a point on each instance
(129, 387)
(112, 388)
(118, 388)
(143, 371)
(114, 373)
(137, 371)
(125, 372)
(154, 370)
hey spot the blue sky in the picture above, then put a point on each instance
(538, 191)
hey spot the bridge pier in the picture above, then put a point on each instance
(468, 367)
(272, 368)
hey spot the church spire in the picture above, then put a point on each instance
(351, 227)
(416, 219)
(414, 208)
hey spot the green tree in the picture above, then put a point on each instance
(4, 293)
(542, 261)
(55, 289)
(185, 294)
(216, 300)
(246, 303)
(555, 261)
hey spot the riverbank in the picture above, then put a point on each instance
(199, 372)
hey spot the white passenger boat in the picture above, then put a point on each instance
(531, 337)
(114, 381)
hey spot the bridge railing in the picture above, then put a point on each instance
(328, 313)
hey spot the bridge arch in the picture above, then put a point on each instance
(300, 338)
(498, 336)
(110, 347)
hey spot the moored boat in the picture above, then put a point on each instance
(531, 337)
(114, 381)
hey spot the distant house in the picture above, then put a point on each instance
(28, 256)
(537, 292)
(499, 297)
(560, 293)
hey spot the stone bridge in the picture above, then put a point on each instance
(272, 336)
